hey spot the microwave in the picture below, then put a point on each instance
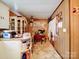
(9, 34)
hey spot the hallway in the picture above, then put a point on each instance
(25, 24)
(44, 51)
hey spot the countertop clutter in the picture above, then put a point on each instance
(19, 45)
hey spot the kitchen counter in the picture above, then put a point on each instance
(10, 49)
(10, 39)
(23, 45)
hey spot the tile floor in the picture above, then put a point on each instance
(44, 51)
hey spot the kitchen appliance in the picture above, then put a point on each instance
(9, 34)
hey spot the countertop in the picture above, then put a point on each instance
(10, 39)
(23, 45)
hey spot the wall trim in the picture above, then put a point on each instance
(69, 31)
(52, 43)
(55, 10)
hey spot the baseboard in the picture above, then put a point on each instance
(56, 49)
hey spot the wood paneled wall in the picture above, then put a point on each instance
(62, 41)
(68, 43)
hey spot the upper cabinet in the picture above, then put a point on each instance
(18, 24)
(4, 16)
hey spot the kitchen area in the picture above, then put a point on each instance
(15, 40)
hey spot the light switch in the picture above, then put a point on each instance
(64, 30)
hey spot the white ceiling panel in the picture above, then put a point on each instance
(35, 8)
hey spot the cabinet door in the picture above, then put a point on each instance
(4, 16)
(19, 26)
(10, 50)
(23, 26)
(12, 24)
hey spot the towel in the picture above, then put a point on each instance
(52, 29)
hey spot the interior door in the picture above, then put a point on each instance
(74, 30)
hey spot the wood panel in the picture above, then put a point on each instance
(12, 14)
(74, 30)
(62, 42)
(38, 24)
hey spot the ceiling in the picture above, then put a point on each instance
(36, 8)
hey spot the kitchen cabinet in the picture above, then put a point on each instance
(4, 16)
(10, 49)
(18, 24)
